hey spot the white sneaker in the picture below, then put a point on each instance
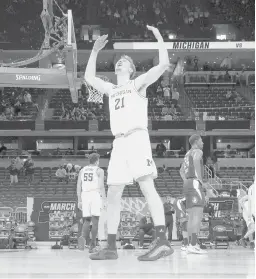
(183, 248)
(141, 247)
(195, 250)
(251, 229)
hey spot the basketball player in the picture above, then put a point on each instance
(131, 157)
(90, 193)
(251, 209)
(192, 172)
(182, 216)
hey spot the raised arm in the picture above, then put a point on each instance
(156, 72)
(90, 72)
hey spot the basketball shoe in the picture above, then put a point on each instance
(157, 250)
(195, 250)
(104, 254)
(183, 248)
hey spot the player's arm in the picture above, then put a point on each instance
(197, 156)
(90, 72)
(182, 173)
(100, 173)
(156, 72)
(79, 188)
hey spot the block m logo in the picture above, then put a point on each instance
(149, 162)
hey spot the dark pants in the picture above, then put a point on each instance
(169, 226)
(142, 232)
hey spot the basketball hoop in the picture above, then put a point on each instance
(95, 96)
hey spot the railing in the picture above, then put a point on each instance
(20, 215)
(215, 181)
(238, 185)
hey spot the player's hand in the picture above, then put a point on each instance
(100, 43)
(156, 32)
(79, 205)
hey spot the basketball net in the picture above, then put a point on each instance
(95, 96)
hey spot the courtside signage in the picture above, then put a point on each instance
(187, 45)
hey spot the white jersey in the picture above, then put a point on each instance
(128, 108)
(90, 179)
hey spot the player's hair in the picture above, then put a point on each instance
(194, 138)
(128, 58)
(93, 158)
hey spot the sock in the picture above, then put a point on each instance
(189, 239)
(112, 241)
(86, 231)
(185, 241)
(160, 232)
(194, 239)
(94, 232)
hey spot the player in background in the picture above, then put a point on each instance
(131, 157)
(181, 214)
(192, 174)
(91, 195)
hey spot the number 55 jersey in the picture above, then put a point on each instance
(91, 199)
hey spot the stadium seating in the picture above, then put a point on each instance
(62, 100)
(245, 175)
(46, 184)
(28, 110)
(213, 101)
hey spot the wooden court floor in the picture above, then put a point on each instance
(236, 262)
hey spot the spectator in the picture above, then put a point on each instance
(165, 110)
(182, 151)
(229, 95)
(27, 97)
(19, 165)
(3, 149)
(175, 97)
(146, 227)
(166, 93)
(228, 151)
(160, 149)
(209, 208)
(172, 110)
(69, 152)
(168, 212)
(61, 174)
(13, 172)
(29, 170)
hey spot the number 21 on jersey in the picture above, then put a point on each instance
(88, 176)
(119, 103)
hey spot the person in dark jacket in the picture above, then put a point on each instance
(146, 227)
(168, 212)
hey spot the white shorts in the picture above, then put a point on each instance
(131, 158)
(91, 204)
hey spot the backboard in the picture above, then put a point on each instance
(71, 57)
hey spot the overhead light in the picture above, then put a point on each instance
(219, 140)
(221, 37)
(171, 36)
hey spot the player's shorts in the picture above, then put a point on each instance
(131, 158)
(91, 204)
(194, 193)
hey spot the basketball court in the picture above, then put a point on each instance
(236, 262)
